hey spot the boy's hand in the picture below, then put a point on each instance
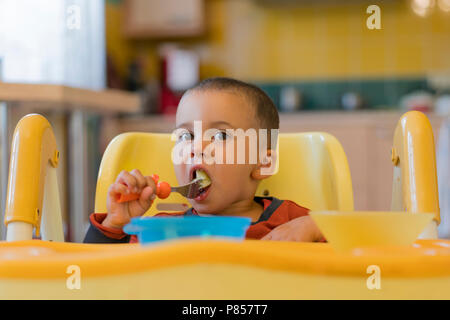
(302, 229)
(119, 214)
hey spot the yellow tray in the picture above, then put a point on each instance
(207, 269)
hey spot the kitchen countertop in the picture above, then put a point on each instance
(50, 97)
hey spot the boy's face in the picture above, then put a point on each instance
(218, 110)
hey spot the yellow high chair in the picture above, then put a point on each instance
(217, 269)
(415, 185)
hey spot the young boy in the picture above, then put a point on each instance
(220, 104)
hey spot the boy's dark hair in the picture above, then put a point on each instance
(265, 109)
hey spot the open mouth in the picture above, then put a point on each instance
(205, 183)
(203, 190)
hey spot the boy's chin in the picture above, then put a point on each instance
(204, 207)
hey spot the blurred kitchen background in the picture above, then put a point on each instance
(319, 61)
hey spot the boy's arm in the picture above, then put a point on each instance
(298, 227)
(97, 233)
(302, 229)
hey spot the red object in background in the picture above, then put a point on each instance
(179, 72)
(421, 108)
(169, 99)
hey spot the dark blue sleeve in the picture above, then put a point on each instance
(94, 235)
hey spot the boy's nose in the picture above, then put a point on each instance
(197, 148)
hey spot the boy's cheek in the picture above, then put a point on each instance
(181, 174)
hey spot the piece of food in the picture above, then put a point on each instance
(163, 190)
(203, 177)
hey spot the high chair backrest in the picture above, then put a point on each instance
(415, 185)
(312, 170)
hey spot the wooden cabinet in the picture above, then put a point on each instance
(365, 136)
(163, 18)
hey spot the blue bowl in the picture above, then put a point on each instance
(151, 229)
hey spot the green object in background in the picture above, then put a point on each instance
(326, 95)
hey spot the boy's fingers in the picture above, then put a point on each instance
(151, 183)
(128, 179)
(120, 175)
(116, 189)
(141, 182)
(146, 198)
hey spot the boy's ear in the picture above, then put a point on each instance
(265, 166)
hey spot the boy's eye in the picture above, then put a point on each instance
(220, 136)
(185, 136)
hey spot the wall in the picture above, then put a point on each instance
(323, 47)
